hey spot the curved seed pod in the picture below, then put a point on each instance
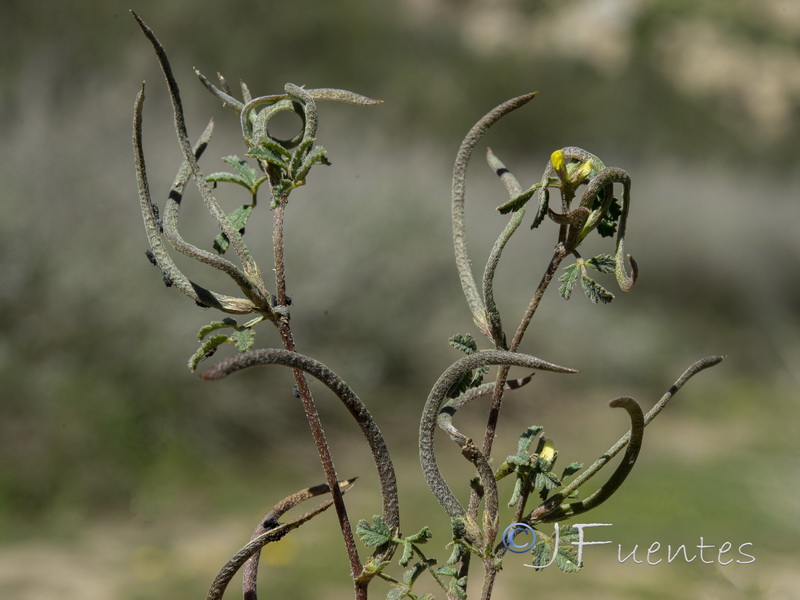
(564, 511)
(463, 263)
(198, 293)
(433, 407)
(352, 402)
(269, 530)
(249, 265)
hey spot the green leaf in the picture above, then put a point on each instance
(238, 220)
(456, 554)
(397, 592)
(315, 157)
(525, 440)
(243, 338)
(607, 226)
(422, 536)
(447, 571)
(281, 189)
(214, 326)
(408, 553)
(372, 568)
(517, 493)
(467, 381)
(459, 529)
(570, 469)
(410, 576)
(244, 170)
(518, 460)
(271, 152)
(207, 349)
(546, 481)
(594, 291)
(566, 557)
(603, 262)
(464, 342)
(544, 204)
(376, 534)
(245, 175)
(226, 177)
(568, 280)
(518, 201)
(299, 156)
(456, 588)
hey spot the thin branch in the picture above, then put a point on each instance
(270, 521)
(693, 370)
(502, 373)
(351, 401)
(271, 534)
(364, 419)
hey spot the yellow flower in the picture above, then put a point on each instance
(572, 175)
(557, 158)
(548, 452)
(582, 172)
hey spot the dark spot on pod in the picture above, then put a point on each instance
(151, 257)
(167, 280)
(157, 216)
(513, 384)
(295, 391)
(200, 304)
(175, 196)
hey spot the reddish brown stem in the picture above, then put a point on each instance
(309, 408)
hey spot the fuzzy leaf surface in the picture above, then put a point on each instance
(568, 280)
(375, 534)
(238, 220)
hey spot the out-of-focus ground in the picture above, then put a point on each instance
(122, 475)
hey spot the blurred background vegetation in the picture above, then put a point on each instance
(122, 475)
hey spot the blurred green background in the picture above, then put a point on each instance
(122, 475)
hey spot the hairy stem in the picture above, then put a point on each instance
(269, 531)
(500, 381)
(270, 521)
(309, 407)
